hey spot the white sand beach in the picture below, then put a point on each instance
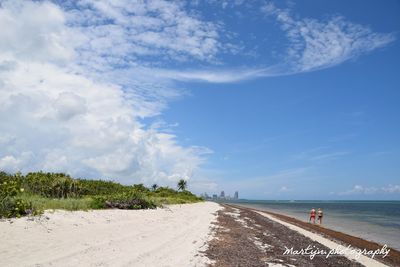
(172, 236)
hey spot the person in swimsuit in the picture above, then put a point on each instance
(320, 214)
(312, 215)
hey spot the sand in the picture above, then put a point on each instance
(163, 237)
(364, 260)
(245, 238)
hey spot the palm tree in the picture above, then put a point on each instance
(154, 187)
(182, 184)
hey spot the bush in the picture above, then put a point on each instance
(127, 200)
(165, 192)
(100, 187)
(52, 185)
(141, 188)
(10, 204)
(15, 207)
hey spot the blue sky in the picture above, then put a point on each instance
(279, 100)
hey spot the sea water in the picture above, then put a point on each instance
(377, 221)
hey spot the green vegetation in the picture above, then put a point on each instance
(32, 193)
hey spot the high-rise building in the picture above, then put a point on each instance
(215, 196)
(236, 195)
(222, 194)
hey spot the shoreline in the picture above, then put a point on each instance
(200, 234)
(244, 237)
(393, 258)
(377, 222)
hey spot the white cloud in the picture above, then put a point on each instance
(317, 44)
(120, 32)
(284, 189)
(213, 76)
(65, 105)
(68, 105)
(312, 45)
(27, 33)
(363, 190)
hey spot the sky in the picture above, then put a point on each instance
(274, 99)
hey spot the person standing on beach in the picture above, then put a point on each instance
(312, 215)
(320, 215)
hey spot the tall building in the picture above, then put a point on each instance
(222, 194)
(236, 195)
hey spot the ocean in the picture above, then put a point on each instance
(377, 221)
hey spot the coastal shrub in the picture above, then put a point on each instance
(37, 191)
(126, 200)
(9, 187)
(140, 188)
(52, 185)
(15, 207)
(166, 195)
(101, 187)
(10, 204)
(165, 192)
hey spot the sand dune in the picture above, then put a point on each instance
(162, 237)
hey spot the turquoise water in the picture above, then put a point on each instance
(377, 221)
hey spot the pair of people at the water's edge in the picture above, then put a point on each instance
(314, 213)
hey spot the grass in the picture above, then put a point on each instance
(172, 200)
(41, 203)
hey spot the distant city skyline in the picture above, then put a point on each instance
(221, 196)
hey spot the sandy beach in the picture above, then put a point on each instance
(171, 236)
(202, 234)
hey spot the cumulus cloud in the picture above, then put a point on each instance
(33, 31)
(317, 44)
(70, 100)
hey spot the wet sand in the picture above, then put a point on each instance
(247, 238)
(393, 259)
